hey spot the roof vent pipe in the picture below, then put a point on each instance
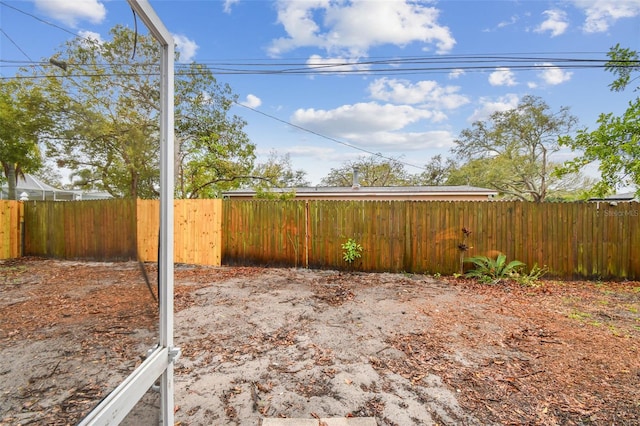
(356, 178)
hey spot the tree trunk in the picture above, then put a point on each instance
(11, 175)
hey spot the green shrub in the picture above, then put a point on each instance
(491, 271)
(352, 251)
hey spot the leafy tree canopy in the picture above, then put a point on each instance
(511, 151)
(615, 144)
(110, 137)
(372, 171)
(277, 172)
(24, 119)
(623, 62)
(436, 172)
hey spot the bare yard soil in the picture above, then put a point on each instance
(259, 342)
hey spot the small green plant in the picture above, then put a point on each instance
(531, 279)
(490, 271)
(351, 251)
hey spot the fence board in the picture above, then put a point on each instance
(11, 218)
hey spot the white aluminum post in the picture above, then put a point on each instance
(159, 363)
(166, 228)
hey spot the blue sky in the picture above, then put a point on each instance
(408, 111)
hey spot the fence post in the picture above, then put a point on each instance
(306, 234)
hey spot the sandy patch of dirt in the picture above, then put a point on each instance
(259, 342)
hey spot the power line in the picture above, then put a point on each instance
(313, 132)
(37, 18)
(31, 15)
(266, 65)
(16, 45)
(311, 72)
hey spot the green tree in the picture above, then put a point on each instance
(436, 172)
(214, 154)
(372, 171)
(277, 172)
(511, 151)
(111, 136)
(622, 63)
(615, 144)
(24, 118)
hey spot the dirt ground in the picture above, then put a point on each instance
(259, 342)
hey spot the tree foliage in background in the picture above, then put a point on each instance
(277, 172)
(436, 172)
(214, 153)
(372, 171)
(510, 151)
(615, 144)
(111, 136)
(623, 62)
(24, 118)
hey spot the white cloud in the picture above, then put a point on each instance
(336, 65)
(358, 25)
(489, 106)
(553, 75)
(601, 14)
(511, 21)
(502, 76)
(315, 152)
(427, 93)
(374, 126)
(186, 47)
(348, 120)
(556, 22)
(252, 101)
(454, 74)
(227, 5)
(71, 12)
(404, 141)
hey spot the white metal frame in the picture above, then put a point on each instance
(159, 363)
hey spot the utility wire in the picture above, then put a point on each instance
(288, 66)
(311, 72)
(37, 18)
(16, 45)
(313, 132)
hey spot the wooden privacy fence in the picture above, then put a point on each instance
(121, 230)
(95, 230)
(11, 217)
(572, 239)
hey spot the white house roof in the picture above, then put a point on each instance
(368, 191)
(627, 196)
(37, 190)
